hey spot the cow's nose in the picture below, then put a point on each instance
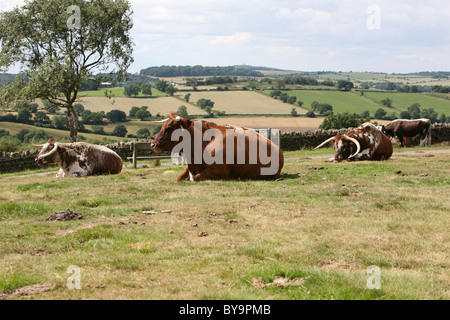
(153, 144)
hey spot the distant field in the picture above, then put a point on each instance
(341, 101)
(14, 128)
(245, 102)
(118, 92)
(162, 105)
(284, 124)
(403, 100)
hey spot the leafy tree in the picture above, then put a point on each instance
(133, 111)
(344, 85)
(182, 111)
(380, 114)
(310, 114)
(387, 102)
(60, 122)
(203, 103)
(442, 118)
(187, 97)
(292, 99)
(21, 134)
(4, 133)
(89, 117)
(116, 116)
(300, 103)
(143, 114)
(391, 86)
(281, 84)
(98, 130)
(78, 107)
(365, 114)
(294, 112)
(284, 97)
(341, 120)
(414, 111)
(161, 85)
(275, 93)
(41, 117)
(171, 90)
(120, 131)
(32, 107)
(325, 108)
(58, 50)
(405, 115)
(36, 137)
(131, 90)
(314, 105)
(24, 116)
(429, 113)
(146, 89)
(143, 133)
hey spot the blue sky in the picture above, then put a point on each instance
(349, 35)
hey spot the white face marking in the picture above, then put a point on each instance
(191, 176)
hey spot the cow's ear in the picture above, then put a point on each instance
(185, 123)
(61, 149)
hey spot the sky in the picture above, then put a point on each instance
(392, 36)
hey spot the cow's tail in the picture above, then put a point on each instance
(428, 137)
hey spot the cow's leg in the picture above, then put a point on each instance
(213, 173)
(60, 173)
(400, 138)
(184, 175)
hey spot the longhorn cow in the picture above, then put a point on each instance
(402, 128)
(363, 143)
(79, 159)
(212, 154)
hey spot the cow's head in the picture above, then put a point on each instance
(163, 140)
(50, 153)
(387, 130)
(346, 147)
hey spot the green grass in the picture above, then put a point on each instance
(403, 100)
(14, 128)
(341, 101)
(326, 226)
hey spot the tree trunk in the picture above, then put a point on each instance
(73, 123)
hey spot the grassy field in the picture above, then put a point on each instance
(323, 223)
(341, 101)
(162, 105)
(14, 128)
(403, 100)
(118, 92)
(245, 102)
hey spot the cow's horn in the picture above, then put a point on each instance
(177, 118)
(51, 151)
(161, 121)
(37, 145)
(358, 146)
(323, 143)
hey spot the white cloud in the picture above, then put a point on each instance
(290, 34)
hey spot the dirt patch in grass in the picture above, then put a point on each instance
(28, 290)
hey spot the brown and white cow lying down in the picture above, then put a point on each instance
(363, 143)
(218, 152)
(79, 159)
